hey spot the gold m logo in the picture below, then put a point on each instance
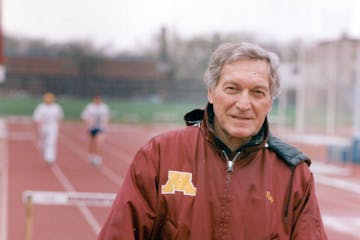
(179, 181)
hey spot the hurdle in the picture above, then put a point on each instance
(31, 198)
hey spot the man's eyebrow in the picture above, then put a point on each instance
(262, 87)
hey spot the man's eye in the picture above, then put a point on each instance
(230, 89)
(259, 93)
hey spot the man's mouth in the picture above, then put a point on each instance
(245, 118)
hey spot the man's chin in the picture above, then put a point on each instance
(241, 133)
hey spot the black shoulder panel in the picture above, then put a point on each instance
(194, 117)
(291, 155)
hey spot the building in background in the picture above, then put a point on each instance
(126, 78)
(81, 73)
(326, 92)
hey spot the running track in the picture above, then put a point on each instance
(21, 168)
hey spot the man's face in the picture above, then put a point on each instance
(241, 101)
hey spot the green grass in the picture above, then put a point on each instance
(17, 106)
(150, 112)
(121, 110)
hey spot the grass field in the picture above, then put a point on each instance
(121, 110)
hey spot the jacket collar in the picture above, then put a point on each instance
(205, 119)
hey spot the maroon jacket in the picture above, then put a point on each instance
(183, 185)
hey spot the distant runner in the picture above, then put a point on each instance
(47, 116)
(96, 115)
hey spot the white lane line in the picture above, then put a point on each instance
(322, 171)
(322, 168)
(83, 208)
(108, 172)
(62, 178)
(317, 139)
(3, 129)
(348, 225)
(85, 211)
(4, 174)
(341, 184)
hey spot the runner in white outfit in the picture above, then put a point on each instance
(96, 115)
(47, 116)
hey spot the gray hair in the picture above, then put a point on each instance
(232, 52)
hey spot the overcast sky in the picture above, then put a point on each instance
(123, 24)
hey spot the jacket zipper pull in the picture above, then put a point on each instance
(230, 165)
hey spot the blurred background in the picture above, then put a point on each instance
(147, 57)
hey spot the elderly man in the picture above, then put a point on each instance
(224, 176)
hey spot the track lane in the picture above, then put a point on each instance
(39, 171)
(27, 171)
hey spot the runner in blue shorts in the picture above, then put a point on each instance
(96, 115)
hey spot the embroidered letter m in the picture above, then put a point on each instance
(179, 181)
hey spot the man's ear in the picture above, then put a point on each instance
(210, 95)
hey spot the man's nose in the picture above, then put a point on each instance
(243, 101)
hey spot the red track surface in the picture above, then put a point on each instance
(338, 187)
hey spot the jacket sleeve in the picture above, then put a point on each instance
(307, 221)
(134, 209)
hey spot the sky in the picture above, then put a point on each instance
(125, 24)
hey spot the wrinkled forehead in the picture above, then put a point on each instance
(253, 65)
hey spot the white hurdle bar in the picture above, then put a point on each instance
(64, 199)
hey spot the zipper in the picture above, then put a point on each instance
(230, 168)
(230, 163)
